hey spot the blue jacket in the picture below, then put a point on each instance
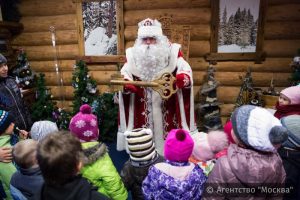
(27, 181)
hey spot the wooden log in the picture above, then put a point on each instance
(166, 4)
(278, 2)
(68, 91)
(227, 94)
(51, 78)
(284, 12)
(49, 66)
(179, 16)
(44, 38)
(282, 30)
(281, 48)
(42, 23)
(260, 79)
(197, 48)
(66, 105)
(198, 32)
(67, 65)
(38, 53)
(42, 8)
(226, 109)
(269, 65)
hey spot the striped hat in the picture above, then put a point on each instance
(5, 120)
(140, 144)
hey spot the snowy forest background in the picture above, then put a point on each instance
(238, 23)
(99, 26)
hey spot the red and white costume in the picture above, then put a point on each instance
(146, 109)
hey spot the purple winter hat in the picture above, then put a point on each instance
(178, 146)
(84, 125)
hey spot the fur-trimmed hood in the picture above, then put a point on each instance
(93, 151)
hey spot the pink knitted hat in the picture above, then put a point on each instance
(293, 93)
(84, 125)
(178, 146)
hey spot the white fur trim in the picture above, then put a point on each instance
(259, 126)
(177, 172)
(150, 31)
(131, 68)
(158, 122)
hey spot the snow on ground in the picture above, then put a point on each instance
(233, 48)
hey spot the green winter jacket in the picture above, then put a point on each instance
(6, 169)
(101, 172)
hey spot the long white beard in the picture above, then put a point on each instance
(151, 59)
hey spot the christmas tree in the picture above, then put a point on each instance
(107, 112)
(62, 118)
(43, 108)
(25, 77)
(103, 106)
(85, 88)
(209, 109)
(295, 79)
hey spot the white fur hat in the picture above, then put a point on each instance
(149, 28)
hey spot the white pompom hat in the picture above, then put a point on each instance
(149, 28)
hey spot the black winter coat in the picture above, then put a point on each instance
(133, 176)
(291, 164)
(11, 100)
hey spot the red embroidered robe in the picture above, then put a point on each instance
(146, 108)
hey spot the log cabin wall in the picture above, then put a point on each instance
(281, 41)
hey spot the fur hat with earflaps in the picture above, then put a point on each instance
(257, 128)
(178, 146)
(140, 145)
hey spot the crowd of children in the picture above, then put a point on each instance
(255, 150)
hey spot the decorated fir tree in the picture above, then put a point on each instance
(295, 79)
(25, 77)
(43, 108)
(103, 106)
(209, 110)
(85, 88)
(107, 112)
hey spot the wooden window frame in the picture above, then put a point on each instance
(120, 35)
(258, 56)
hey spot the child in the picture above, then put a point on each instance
(290, 155)
(207, 145)
(59, 157)
(142, 155)
(42, 128)
(253, 161)
(98, 167)
(28, 180)
(6, 130)
(288, 102)
(176, 178)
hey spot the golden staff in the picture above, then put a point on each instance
(165, 85)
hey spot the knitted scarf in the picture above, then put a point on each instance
(285, 110)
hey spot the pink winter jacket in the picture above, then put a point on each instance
(244, 169)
